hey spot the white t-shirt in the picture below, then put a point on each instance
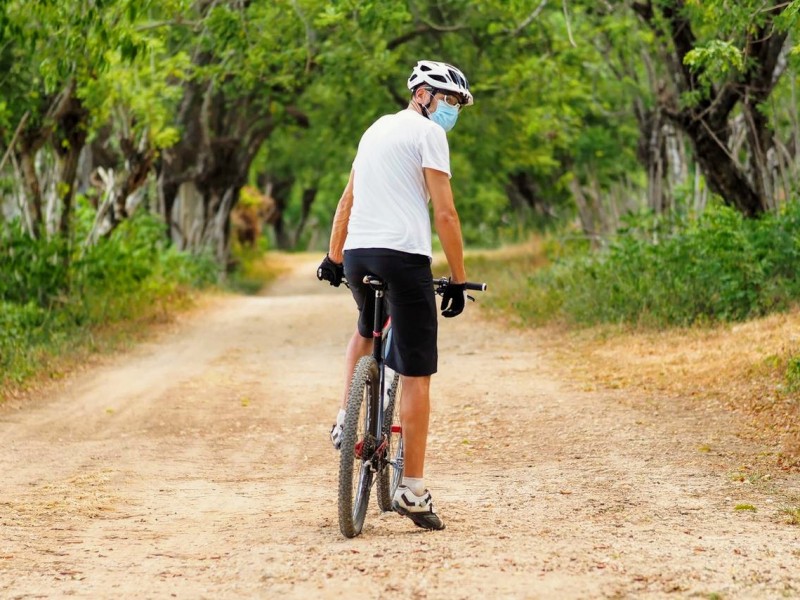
(390, 198)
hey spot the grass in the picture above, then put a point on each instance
(750, 368)
(792, 515)
(254, 270)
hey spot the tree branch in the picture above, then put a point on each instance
(569, 27)
(420, 30)
(20, 127)
(528, 20)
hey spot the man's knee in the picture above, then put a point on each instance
(416, 386)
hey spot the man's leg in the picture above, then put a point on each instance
(357, 347)
(415, 409)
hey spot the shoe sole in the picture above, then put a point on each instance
(419, 519)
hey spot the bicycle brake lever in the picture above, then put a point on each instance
(470, 298)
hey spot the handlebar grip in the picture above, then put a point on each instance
(470, 285)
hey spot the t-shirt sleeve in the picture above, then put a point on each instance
(435, 151)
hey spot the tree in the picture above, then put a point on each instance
(723, 62)
(75, 77)
(250, 60)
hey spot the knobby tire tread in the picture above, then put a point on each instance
(352, 510)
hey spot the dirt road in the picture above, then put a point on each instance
(198, 466)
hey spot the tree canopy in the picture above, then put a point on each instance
(587, 109)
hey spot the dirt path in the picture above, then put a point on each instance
(198, 466)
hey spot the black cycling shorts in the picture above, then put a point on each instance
(411, 302)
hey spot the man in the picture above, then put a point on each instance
(382, 227)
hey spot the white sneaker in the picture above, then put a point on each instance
(337, 431)
(417, 508)
(336, 435)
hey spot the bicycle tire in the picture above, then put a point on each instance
(390, 477)
(355, 478)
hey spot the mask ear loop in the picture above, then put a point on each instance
(426, 113)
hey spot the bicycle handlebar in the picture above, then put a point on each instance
(470, 285)
(439, 283)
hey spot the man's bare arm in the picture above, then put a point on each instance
(446, 222)
(340, 221)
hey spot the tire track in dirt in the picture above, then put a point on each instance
(198, 466)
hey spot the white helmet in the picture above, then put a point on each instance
(441, 76)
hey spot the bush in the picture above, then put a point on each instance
(33, 270)
(52, 293)
(718, 267)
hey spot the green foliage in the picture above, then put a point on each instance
(45, 305)
(717, 267)
(715, 61)
(32, 269)
(48, 44)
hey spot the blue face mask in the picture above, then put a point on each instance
(445, 115)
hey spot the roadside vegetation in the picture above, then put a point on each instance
(59, 302)
(706, 310)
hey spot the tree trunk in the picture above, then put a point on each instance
(209, 165)
(724, 175)
(280, 188)
(32, 190)
(69, 141)
(587, 213)
(309, 195)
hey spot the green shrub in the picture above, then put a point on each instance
(718, 267)
(32, 270)
(52, 294)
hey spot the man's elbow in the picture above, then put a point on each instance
(445, 218)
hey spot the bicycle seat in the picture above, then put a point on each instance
(376, 283)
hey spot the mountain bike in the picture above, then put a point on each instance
(372, 441)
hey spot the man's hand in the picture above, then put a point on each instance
(453, 299)
(330, 271)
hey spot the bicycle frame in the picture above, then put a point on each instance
(378, 328)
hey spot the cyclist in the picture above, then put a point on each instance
(382, 227)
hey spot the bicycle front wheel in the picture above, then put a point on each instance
(358, 445)
(392, 474)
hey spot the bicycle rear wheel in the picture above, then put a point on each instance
(391, 475)
(358, 444)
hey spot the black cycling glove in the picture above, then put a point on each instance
(330, 271)
(453, 299)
